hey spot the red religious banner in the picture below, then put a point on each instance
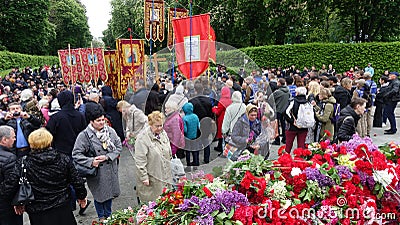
(71, 65)
(195, 44)
(112, 68)
(131, 61)
(174, 13)
(154, 20)
(93, 64)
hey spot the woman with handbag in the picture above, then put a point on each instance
(152, 159)
(107, 146)
(49, 175)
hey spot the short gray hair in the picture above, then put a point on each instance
(5, 131)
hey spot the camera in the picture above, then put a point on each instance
(16, 114)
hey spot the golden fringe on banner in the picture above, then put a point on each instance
(180, 13)
(154, 24)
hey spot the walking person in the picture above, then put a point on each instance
(281, 97)
(152, 159)
(191, 124)
(107, 145)
(291, 116)
(65, 127)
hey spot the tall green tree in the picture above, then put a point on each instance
(370, 20)
(71, 24)
(125, 14)
(25, 27)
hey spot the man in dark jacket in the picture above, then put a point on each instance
(109, 104)
(349, 117)
(341, 95)
(65, 127)
(281, 97)
(7, 162)
(203, 109)
(140, 96)
(392, 97)
(66, 124)
(23, 124)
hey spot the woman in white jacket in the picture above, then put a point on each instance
(233, 113)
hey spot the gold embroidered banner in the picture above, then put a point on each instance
(71, 65)
(131, 61)
(174, 13)
(154, 20)
(112, 68)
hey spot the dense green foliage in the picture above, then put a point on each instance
(9, 60)
(243, 23)
(341, 56)
(41, 27)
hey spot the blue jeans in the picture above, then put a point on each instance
(388, 111)
(103, 209)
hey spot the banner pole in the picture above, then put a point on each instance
(132, 59)
(190, 39)
(70, 64)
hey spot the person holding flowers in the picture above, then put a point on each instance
(152, 159)
(324, 113)
(246, 130)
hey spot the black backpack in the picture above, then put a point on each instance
(367, 96)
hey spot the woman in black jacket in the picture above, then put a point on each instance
(50, 174)
(349, 117)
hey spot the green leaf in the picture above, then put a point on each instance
(222, 216)
(230, 215)
(277, 174)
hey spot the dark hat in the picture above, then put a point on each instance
(333, 78)
(93, 111)
(225, 76)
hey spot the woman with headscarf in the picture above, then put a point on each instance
(152, 159)
(107, 145)
(246, 131)
(219, 112)
(178, 97)
(109, 104)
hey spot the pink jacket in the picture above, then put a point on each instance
(173, 126)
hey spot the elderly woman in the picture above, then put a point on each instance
(107, 145)
(152, 159)
(133, 119)
(174, 127)
(50, 186)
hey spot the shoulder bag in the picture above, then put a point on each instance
(24, 195)
(83, 170)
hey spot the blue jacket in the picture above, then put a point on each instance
(191, 121)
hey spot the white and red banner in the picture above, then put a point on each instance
(194, 45)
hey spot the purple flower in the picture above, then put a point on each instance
(222, 201)
(357, 140)
(205, 220)
(316, 175)
(189, 203)
(344, 172)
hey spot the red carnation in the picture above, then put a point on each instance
(327, 133)
(207, 191)
(342, 150)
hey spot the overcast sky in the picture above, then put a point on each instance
(98, 13)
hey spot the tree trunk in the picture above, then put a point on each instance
(280, 35)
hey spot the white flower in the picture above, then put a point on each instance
(295, 171)
(384, 177)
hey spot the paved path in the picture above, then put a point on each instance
(127, 181)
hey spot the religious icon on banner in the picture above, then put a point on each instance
(154, 20)
(128, 54)
(92, 59)
(69, 60)
(192, 48)
(71, 65)
(174, 13)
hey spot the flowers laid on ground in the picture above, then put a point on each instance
(351, 183)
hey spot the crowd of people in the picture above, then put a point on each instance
(47, 124)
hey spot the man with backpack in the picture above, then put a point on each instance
(300, 117)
